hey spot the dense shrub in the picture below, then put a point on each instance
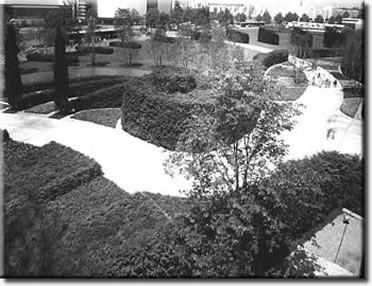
(267, 36)
(40, 57)
(324, 52)
(104, 227)
(80, 88)
(173, 79)
(313, 187)
(272, 58)
(97, 50)
(126, 45)
(237, 36)
(37, 86)
(47, 172)
(4, 135)
(158, 117)
(333, 38)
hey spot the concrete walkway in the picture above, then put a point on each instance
(133, 164)
(322, 126)
(250, 47)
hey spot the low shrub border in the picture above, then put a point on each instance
(97, 50)
(75, 90)
(39, 57)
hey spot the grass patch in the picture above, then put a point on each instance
(45, 108)
(350, 106)
(28, 70)
(106, 117)
(290, 93)
(98, 64)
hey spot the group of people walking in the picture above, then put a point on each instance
(323, 81)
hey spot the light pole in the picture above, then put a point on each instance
(346, 221)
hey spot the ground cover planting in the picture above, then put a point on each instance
(105, 116)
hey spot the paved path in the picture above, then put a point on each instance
(83, 72)
(250, 47)
(133, 164)
(322, 126)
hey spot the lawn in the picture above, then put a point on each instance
(283, 76)
(103, 116)
(350, 106)
(44, 108)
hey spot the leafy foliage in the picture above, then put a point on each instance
(272, 58)
(241, 132)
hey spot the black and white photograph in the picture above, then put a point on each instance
(183, 139)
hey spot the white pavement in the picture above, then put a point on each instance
(322, 126)
(133, 164)
(250, 47)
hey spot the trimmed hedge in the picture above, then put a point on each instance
(267, 36)
(105, 227)
(4, 135)
(237, 36)
(75, 90)
(97, 50)
(173, 79)
(332, 38)
(127, 45)
(40, 57)
(158, 117)
(272, 58)
(324, 52)
(44, 174)
(36, 86)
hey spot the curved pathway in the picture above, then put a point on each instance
(322, 126)
(133, 164)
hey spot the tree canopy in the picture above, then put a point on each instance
(278, 18)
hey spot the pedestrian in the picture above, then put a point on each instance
(335, 83)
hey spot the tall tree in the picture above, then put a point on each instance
(266, 17)
(152, 18)
(241, 17)
(13, 84)
(302, 41)
(176, 14)
(319, 19)
(278, 18)
(305, 18)
(164, 20)
(188, 15)
(331, 20)
(259, 17)
(288, 17)
(338, 19)
(60, 72)
(346, 15)
(295, 17)
(124, 18)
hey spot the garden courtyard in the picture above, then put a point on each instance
(125, 178)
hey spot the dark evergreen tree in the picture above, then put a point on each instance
(13, 84)
(60, 72)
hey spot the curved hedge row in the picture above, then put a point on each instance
(157, 117)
